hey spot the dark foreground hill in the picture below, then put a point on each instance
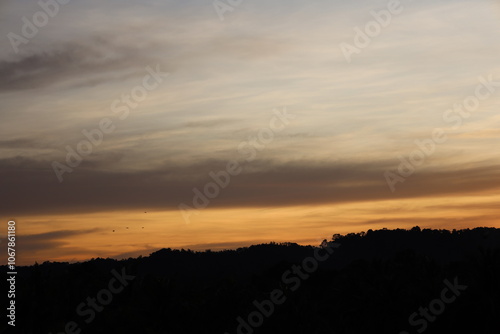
(385, 281)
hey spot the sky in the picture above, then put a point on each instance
(130, 126)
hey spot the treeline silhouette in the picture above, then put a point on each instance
(372, 283)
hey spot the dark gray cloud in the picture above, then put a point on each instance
(35, 243)
(92, 60)
(28, 186)
(84, 63)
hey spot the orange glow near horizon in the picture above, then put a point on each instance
(77, 238)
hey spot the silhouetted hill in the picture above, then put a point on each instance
(371, 282)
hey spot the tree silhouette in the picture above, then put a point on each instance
(371, 284)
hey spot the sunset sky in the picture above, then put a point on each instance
(430, 74)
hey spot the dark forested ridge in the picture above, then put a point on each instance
(384, 281)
